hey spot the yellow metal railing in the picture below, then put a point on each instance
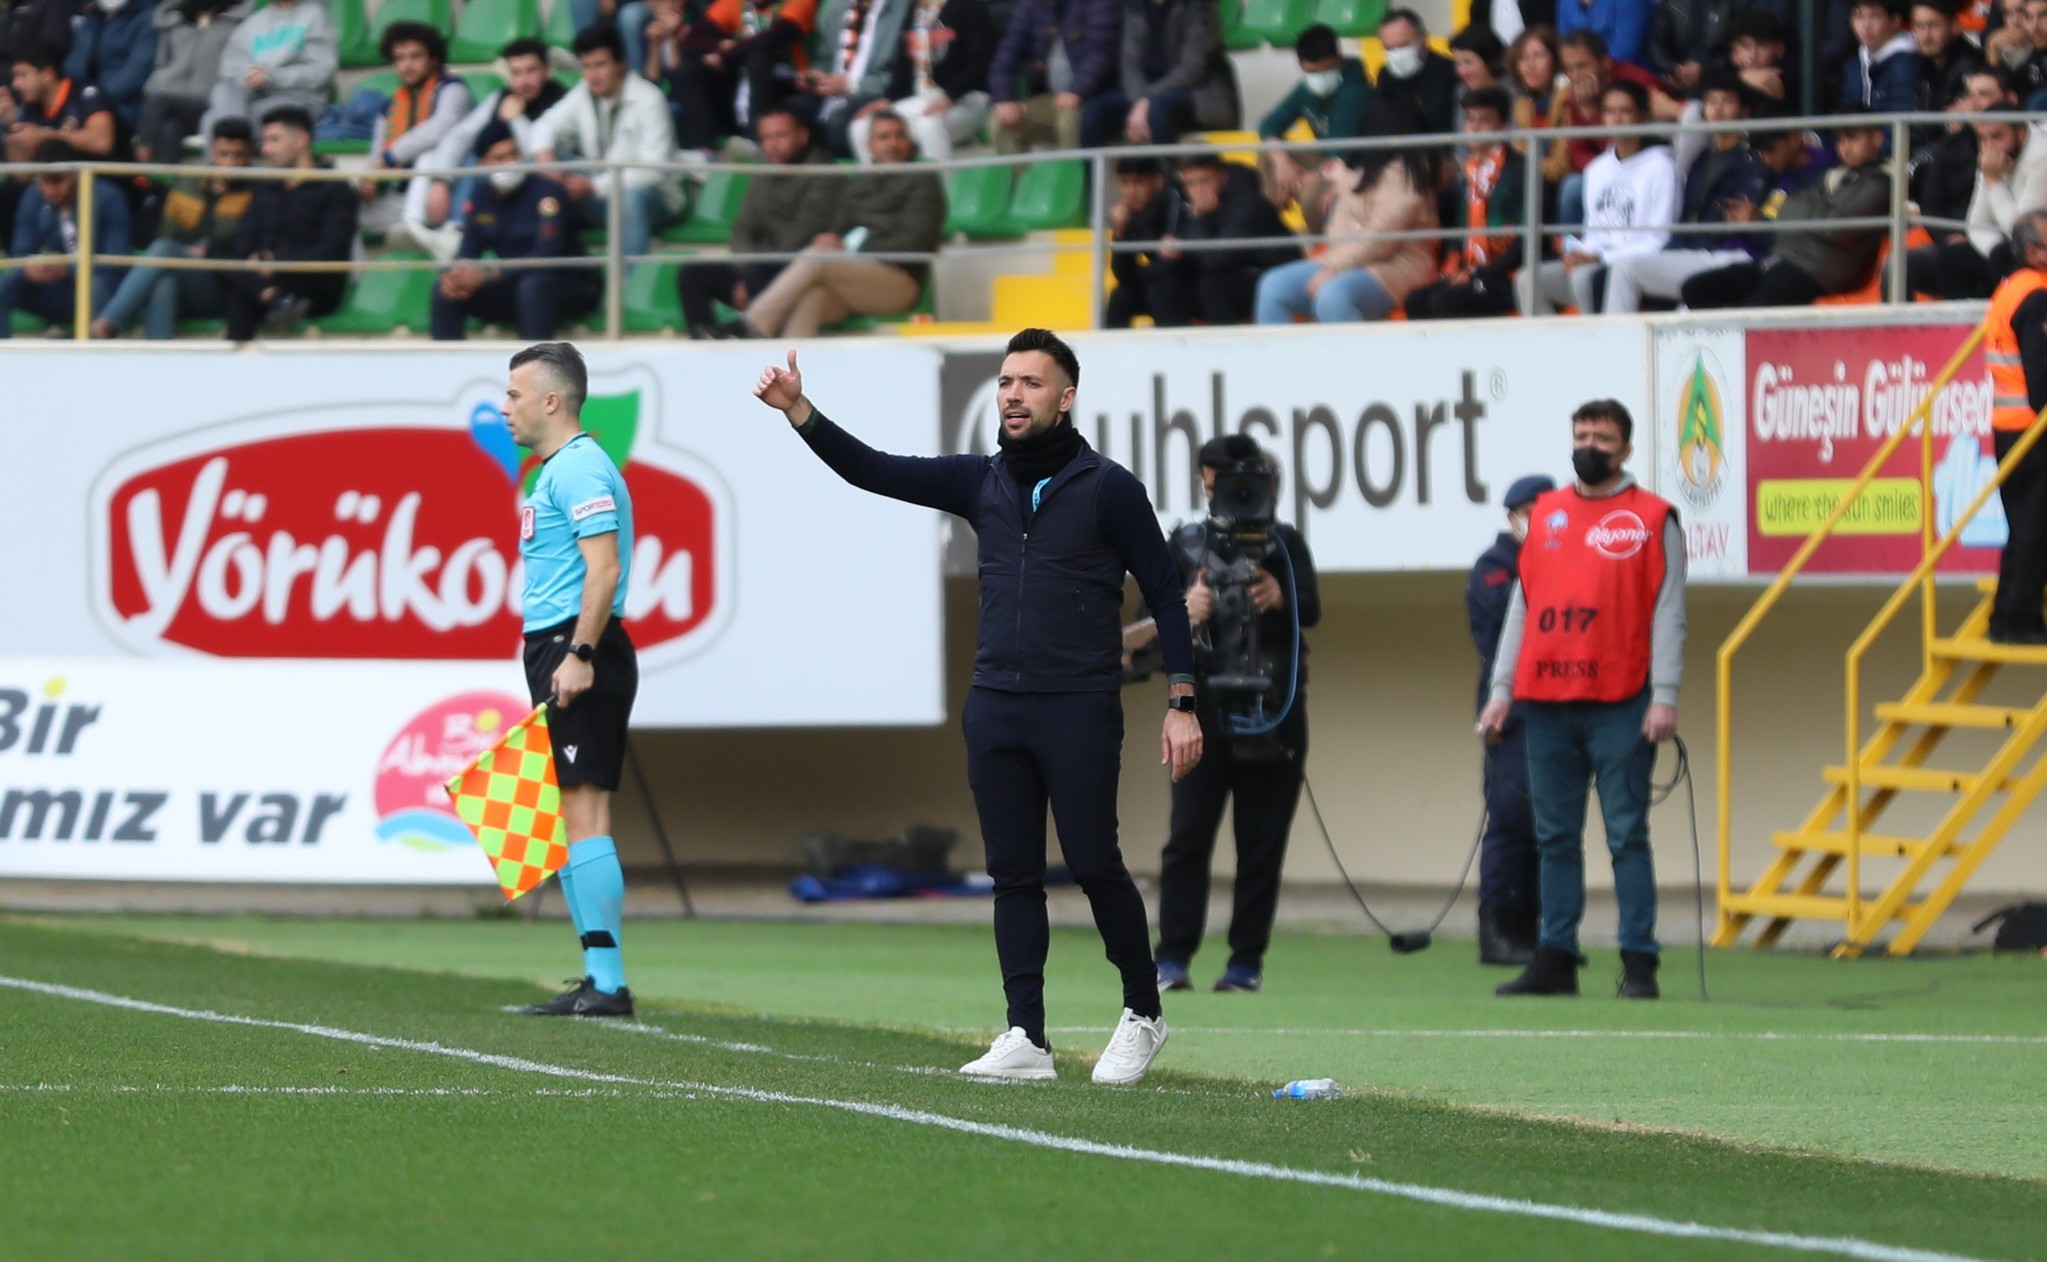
(1921, 417)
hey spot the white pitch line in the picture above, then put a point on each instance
(1759, 1036)
(1449, 1198)
(235, 1089)
(759, 1049)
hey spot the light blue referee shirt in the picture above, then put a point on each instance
(579, 493)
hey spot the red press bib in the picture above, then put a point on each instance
(1590, 573)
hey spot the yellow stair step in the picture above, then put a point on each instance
(1952, 714)
(1052, 302)
(1924, 779)
(1803, 906)
(1985, 651)
(949, 328)
(1872, 844)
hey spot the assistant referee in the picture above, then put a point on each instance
(576, 539)
(1059, 525)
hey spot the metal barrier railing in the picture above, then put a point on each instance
(1100, 166)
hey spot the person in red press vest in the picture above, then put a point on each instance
(1594, 647)
(2015, 348)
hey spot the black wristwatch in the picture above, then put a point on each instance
(1183, 703)
(583, 651)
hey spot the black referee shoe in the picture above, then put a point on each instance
(583, 999)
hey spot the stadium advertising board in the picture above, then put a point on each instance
(355, 510)
(1819, 402)
(1394, 444)
(1701, 445)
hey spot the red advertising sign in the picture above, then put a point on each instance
(1820, 403)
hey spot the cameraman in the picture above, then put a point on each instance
(1263, 768)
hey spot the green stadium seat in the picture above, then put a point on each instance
(652, 304)
(1049, 195)
(1235, 37)
(351, 32)
(716, 208)
(482, 82)
(26, 325)
(197, 327)
(486, 26)
(438, 14)
(977, 201)
(1358, 19)
(381, 302)
(559, 29)
(1274, 22)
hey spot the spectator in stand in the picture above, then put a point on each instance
(1415, 75)
(1176, 77)
(1631, 199)
(49, 106)
(940, 82)
(1536, 76)
(864, 38)
(200, 220)
(1688, 40)
(1492, 190)
(1728, 183)
(285, 53)
(1364, 274)
(895, 209)
(290, 221)
(2021, 47)
(1148, 208)
(2011, 166)
(529, 92)
(1476, 56)
(36, 24)
(1054, 58)
(1944, 181)
(614, 115)
(428, 104)
(1947, 57)
(1331, 99)
(779, 215)
(1809, 263)
(1756, 45)
(47, 224)
(514, 215)
(113, 47)
(1884, 77)
(1218, 287)
(1591, 71)
(738, 53)
(191, 38)
(1622, 25)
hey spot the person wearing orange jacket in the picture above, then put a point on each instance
(2015, 348)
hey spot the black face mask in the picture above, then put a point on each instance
(1593, 465)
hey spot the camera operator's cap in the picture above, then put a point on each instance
(1525, 491)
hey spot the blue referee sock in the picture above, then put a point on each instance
(596, 889)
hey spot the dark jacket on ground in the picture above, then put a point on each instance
(1431, 91)
(1092, 31)
(1838, 258)
(116, 53)
(902, 209)
(309, 221)
(1177, 46)
(1051, 580)
(780, 214)
(1340, 116)
(961, 65)
(1241, 213)
(1715, 179)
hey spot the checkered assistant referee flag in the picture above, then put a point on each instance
(509, 798)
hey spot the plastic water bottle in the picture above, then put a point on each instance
(1310, 1089)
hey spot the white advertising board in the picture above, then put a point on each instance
(1701, 422)
(356, 507)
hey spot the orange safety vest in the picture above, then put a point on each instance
(2009, 409)
(1590, 574)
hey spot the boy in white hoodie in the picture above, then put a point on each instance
(1631, 199)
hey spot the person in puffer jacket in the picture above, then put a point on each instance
(191, 37)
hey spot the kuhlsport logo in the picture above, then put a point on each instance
(413, 807)
(387, 532)
(1620, 534)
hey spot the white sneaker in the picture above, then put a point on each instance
(1136, 1040)
(1013, 1056)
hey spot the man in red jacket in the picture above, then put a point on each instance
(1594, 644)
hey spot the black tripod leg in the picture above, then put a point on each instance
(689, 907)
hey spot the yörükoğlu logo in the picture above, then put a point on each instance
(413, 807)
(387, 531)
(1701, 450)
(1620, 534)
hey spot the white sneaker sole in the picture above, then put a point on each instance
(1038, 1074)
(1142, 1070)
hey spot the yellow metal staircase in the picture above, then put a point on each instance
(1818, 869)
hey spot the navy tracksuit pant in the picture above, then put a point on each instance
(1025, 750)
(1508, 869)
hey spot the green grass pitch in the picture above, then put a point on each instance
(250, 1088)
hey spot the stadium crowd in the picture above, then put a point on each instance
(1424, 231)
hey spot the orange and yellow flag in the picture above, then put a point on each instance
(510, 799)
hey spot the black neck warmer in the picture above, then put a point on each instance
(1031, 460)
